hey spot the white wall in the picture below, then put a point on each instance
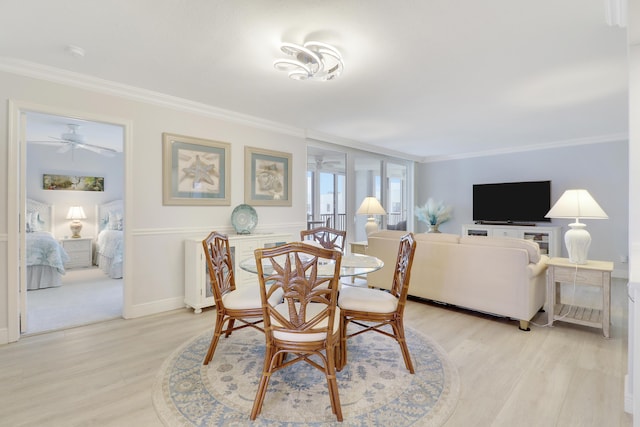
(155, 233)
(600, 168)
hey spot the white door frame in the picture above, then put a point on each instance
(16, 204)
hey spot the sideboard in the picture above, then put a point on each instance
(197, 288)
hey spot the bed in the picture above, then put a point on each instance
(45, 257)
(110, 243)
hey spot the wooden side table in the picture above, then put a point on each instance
(358, 247)
(593, 273)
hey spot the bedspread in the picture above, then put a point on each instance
(44, 249)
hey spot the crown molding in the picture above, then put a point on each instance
(616, 137)
(346, 142)
(83, 81)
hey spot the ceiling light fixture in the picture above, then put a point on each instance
(313, 60)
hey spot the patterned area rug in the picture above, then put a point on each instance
(375, 387)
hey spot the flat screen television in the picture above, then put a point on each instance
(512, 202)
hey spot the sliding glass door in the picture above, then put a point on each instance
(338, 182)
(326, 189)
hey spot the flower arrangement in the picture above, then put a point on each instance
(433, 213)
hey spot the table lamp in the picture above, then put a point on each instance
(577, 204)
(371, 206)
(76, 213)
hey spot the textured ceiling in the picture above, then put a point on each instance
(427, 78)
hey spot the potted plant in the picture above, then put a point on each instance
(433, 214)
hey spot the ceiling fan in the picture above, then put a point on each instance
(72, 139)
(321, 163)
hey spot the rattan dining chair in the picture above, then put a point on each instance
(232, 304)
(327, 237)
(306, 326)
(380, 310)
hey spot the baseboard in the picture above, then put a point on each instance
(155, 307)
(628, 396)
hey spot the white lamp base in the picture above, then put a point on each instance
(578, 241)
(371, 226)
(75, 226)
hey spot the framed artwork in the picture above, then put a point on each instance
(267, 179)
(195, 171)
(72, 183)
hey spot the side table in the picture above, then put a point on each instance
(358, 247)
(593, 273)
(80, 252)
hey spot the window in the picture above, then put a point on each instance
(338, 181)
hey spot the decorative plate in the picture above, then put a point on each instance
(244, 219)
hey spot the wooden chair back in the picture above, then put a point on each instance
(328, 238)
(402, 272)
(219, 265)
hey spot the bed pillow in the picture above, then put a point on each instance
(114, 221)
(33, 222)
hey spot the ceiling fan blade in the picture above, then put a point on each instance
(96, 149)
(60, 139)
(44, 142)
(100, 147)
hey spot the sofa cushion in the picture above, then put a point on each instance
(532, 248)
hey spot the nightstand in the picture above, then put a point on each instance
(80, 252)
(593, 273)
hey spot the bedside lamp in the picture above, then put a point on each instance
(76, 213)
(577, 204)
(371, 206)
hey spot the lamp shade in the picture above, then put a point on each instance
(577, 204)
(370, 206)
(76, 212)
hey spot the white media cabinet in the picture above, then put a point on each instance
(548, 238)
(197, 288)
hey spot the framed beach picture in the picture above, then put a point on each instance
(267, 179)
(195, 171)
(72, 182)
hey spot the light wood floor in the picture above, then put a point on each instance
(102, 374)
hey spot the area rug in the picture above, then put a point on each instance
(375, 387)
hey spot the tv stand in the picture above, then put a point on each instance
(548, 238)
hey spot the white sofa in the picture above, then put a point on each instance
(500, 276)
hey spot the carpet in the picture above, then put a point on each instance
(86, 296)
(375, 387)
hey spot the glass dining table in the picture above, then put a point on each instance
(351, 265)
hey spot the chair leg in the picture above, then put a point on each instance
(398, 327)
(332, 384)
(264, 381)
(229, 328)
(342, 359)
(217, 331)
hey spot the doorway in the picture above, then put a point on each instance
(33, 136)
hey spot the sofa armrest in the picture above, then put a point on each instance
(538, 268)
